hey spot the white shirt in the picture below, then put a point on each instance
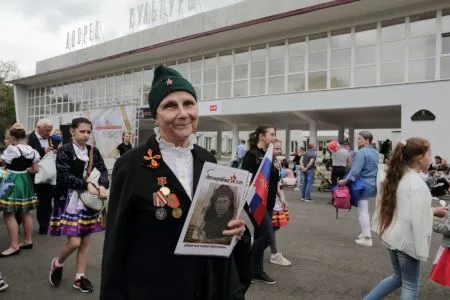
(411, 227)
(179, 160)
(42, 141)
(11, 152)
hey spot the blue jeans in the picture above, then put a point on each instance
(406, 275)
(308, 180)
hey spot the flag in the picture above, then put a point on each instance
(257, 197)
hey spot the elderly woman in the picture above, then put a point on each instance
(152, 189)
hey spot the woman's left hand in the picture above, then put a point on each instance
(237, 228)
(342, 182)
(103, 192)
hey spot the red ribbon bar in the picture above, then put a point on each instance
(172, 201)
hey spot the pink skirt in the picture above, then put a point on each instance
(440, 273)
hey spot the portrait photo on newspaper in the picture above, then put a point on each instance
(218, 200)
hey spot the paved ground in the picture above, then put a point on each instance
(326, 262)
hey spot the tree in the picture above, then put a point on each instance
(8, 71)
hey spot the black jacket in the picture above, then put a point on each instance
(33, 141)
(138, 254)
(70, 173)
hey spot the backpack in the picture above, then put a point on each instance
(342, 200)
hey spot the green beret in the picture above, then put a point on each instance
(165, 81)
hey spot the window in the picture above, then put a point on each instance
(225, 69)
(101, 92)
(318, 47)
(210, 77)
(208, 142)
(365, 55)
(137, 86)
(340, 58)
(422, 47)
(392, 56)
(445, 33)
(109, 90)
(277, 51)
(118, 88)
(196, 66)
(258, 69)
(127, 87)
(294, 146)
(296, 65)
(241, 59)
(148, 78)
(183, 67)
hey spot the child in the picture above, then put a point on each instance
(441, 267)
(3, 284)
(20, 159)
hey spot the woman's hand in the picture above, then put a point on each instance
(237, 228)
(34, 169)
(343, 182)
(103, 192)
(92, 189)
(440, 212)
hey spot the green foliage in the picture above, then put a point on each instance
(8, 71)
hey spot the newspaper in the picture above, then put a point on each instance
(219, 198)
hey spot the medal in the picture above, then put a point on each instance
(161, 213)
(159, 200)
(177, 212)
(172, 201)
(165, 191)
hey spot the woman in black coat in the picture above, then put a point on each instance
(142, 232)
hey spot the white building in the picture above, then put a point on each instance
(303, 66)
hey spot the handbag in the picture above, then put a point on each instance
(94, 202)
(47, 170)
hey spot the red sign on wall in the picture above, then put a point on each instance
(213, 107)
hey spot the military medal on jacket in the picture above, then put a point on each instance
(164, 197)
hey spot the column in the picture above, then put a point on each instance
(287, 144)
(235, 140)
(312, 132)
(351, 138)
(219, 145)
(341, 134)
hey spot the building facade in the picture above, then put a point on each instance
(302, 66)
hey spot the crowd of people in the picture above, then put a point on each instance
(141, 233)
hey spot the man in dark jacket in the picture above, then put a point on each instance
(40, 141)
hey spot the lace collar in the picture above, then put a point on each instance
(166, 145)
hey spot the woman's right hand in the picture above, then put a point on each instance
(440, 212)
(92, 189)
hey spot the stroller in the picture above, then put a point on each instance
(325, 183)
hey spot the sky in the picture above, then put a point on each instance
(34, 30)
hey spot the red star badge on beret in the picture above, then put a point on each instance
(169, 82)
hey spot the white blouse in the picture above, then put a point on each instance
(179, 160)
(411, 227)
(11, 152)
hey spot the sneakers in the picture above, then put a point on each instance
(3, 285)
(364, 241)
(308, 201)
(264, 278)
(55, 275)
(279, 259)
(83, 284)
